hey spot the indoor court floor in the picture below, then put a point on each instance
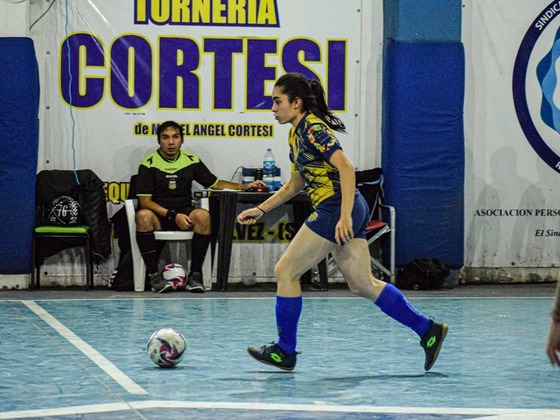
(72, 354)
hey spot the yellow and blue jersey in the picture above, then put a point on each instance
(312, 144)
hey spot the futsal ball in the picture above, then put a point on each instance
(176, 274)
(166, 347)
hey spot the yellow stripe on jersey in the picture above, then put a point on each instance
(155, 160)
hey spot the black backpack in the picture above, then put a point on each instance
(423, 274)
(63, 211)
(122, 279)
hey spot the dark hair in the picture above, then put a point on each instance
(169, 124)
(312, 95)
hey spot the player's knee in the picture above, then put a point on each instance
(284, 271)
(278, 270)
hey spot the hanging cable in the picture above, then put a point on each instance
(43, 15)
(70, 101)
(235, 172)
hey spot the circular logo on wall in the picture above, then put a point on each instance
(536, 84)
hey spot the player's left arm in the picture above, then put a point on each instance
(344, 230)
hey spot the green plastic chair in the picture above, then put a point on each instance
(68, 237)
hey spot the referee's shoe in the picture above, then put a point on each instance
(194, 283)
(159, 285)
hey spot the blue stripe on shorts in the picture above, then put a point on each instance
(325, 217)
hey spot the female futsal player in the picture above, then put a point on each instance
(336, 226)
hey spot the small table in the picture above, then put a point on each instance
(223, 208)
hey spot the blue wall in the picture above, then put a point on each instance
(19, 139)
(418, 20)
(422, 133)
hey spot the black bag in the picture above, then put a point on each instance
(122, 279)
(63, 211)
(423, 274)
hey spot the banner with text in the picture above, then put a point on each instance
(513, 133)
(114, 70)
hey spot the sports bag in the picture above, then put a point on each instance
(423, 274)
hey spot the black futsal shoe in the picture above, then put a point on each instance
(159, 285)
(194, 283)
(431, 342)
(273, 355)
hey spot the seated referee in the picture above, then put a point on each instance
(164, 190)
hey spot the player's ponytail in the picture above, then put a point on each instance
(312, 95)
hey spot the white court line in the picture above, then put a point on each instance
(423, 297)
(488, 413)
(96, 357)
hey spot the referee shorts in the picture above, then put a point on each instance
(171, 225)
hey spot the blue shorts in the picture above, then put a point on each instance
(325, 217)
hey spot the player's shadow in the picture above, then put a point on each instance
(327, 385)
(381, 377)
(352, 379)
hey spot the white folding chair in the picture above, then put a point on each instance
(139, 268)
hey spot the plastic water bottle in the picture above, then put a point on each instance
(269, 168)
(277, 180)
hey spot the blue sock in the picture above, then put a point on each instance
(393, 303)
(288, 310)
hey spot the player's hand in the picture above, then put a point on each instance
(249, 216)
(344, 231)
